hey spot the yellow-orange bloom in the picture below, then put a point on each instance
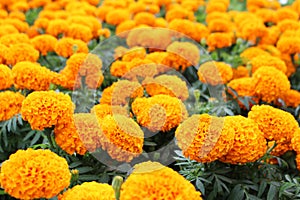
(44, 43)
(89, 190)
(102, 110)
(160, 112)
(153, 181)
(289, 45)
(10, 104)
(267, 15)
(66, 47)
(57, 27)
(204, 138)
(125, 27)
(117, 16)
(79, 31)
(219, 40)
(6, 29)
(288, 24)
(21, 52)
(220, 25)
(44, 109)
(267, 61)
(270, 83)
(15, 38)
(280, 148)
(179, 13)
(144, 18)
(19, 24)
(213, 6)
(253, 29)
(215, 73)
(287, 13)
(249, 142)
(271, 37)
(292, 98)
(6, 77)
(252, 52)
(276, 124)
(296, 143)
(40, 174)
(240, 72)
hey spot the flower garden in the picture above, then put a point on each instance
(156, 100)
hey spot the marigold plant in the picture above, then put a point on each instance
(11, 103)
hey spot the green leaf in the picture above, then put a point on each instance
(262, 188)
(88, 177)
(2, 192)
(200, 186)
(237, 193)
(83, 170)
(272, 192)
(75, 164)
(35, 139)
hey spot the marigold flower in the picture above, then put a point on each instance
(217, 15)
(288, 24)
(240, 72)
(44, 43)
(287, 13)
(252, 52)
(280, 148)
(41, 23)
(10, 104)
(271, 49)
(219, 40)
(249, 142)
(270, 83)
(89, 190)
(19, 6)
(267, 61)
(40, 174)
(215, 73)
(213, 6)
(102, 11)
(124, 27)
(79, 31)
(102, 110)
(160, 22)
(295, 142)
(139, 69)
(160, 112)
(253, 29)
(6, 77)
(291, 68)
(167, 84)
(15, 38)
(38, 3)
(43, 109)
(204, 138)
(17, 15)
(291, 98)
(117, 16)
(152, 180)
(6, 29)
(179, 13)
(289, 45)
(18, 24)
(122, 138)
(89, 21)
(144, 18)
(267, 15)
(57, 27)
(120, 92)
(220, 25)
(276, 124)
(66, 47)
(21, 52)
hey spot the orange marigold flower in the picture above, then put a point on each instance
(296, 142)
(37, 172)
(287, 13)
(291, 68)
(135, 52)
(19, 6)
(179, 13)
(289, 45)
(15, 38)
(249, 142)
(18, 24)
(267, 15)
(89, 21)
(102, 11)
(276, 124)
(160, 22)
(272, 50)
(139, 70)
(267, 61)
(89, 190)
(122, 138)
(152, 180)
(120, 92)
(144, 18)
(271, 37)
(217, 15)
(167, 84)
(288, 24)
(104, 32)
(252, 52)
(38, 3)
(220, 25)
(213, 6)
(160, 112)
(17, 15)
(240, 72)
(119, 68)
(215, 73)
(204, 138)
(21, 52)
(33, 32)
(43, 109)
(79, 31)
(57, 27)
(280, 148)
(66, 47)
(125, 27)
(10, 104)
(270, 83)
(102, 110)
(3, 53)
(42, 23)
(219, 40)
(117, 16)
(44, 43)
(6, 77)
(6, 29)
(291, 98)
(253, 29)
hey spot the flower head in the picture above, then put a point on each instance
(266, 60)
(67, 46)
(219, 40)
(10, 104)
(292, 98)
(6, 77)
(289, 45)
(21, 52)
(57, 27)
(117, 16)
(44, 43)
(252, 52)
(102, 110)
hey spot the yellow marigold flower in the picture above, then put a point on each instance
(40, 174)
(136, 7)
(57, 26)
(287, 13)
(160, 112)
(240, 72)
(89, 190)
(267, 61)
(291, 98)
(192, 5)
(44, 43)
(153, 181)
(196, 31)
(102, 11)
(141, 72)
(66, 47)
(6, 29)
(18, 24)
(182, 55)
(267, 15)
(89, 21)
(17, 15)
(125, 27)
(33, 32)
(38, 3)
(291, 68)
(219, 40)
(276, 124)
(119, 92)
(288, 24)
(135, 52)
(122, 138)
(167, 84)
(217, 15)
(79, 31)
(272, 50)
(289, 45)
(271, 37)
(6, 77)
(15, 38)
(10, 105)
(102, 110)
(249, 142)
(3, 53)
(21, 52)
(19, 6)
(252, 52)
(41, 23)
(280, 149)
(213, 6)
(220, 25)
(104, 32)
(270, 83)
(215, 73)
(160, 22)
(144, 18)
(117, 16)
(204, 138)
(253, 29)
(179, 13)
(119, 68)
(295, 142)
(43, 109)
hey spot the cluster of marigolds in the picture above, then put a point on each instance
(65, 28)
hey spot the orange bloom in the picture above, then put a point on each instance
(3, 53)
(89, 21)
(179, 13)
(240, 72)
(276, 124)
(252, 52)
(125, 27)
(219, 40)
(296, 143)
(144, 18)
(66, 47)
(57, 27)
(288, 24)
(37, 172)
(19, 6)
(204, 138)
(220, 25)
(44, 109)
(160, 112)
(280, 148)
(153, 181)
(78, 31)
(6, 29)
(160, 22)
(289, 45)
(6, 77)
(117, 16)
(267, 61)
(217, 15)
(17, 15)
(18, 24)
(270, 83)
(10, 104)
(44, 43)
(42, 23)
(21, 52)
(267, 15)
(215, 73)
(253, 29)
(15, 38)
(102, 11)
(249, 142)
(213, 6)
(102, 110)
(291, 98)
(287, 13)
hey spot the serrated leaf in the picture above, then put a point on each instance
(83, 170)
(262, 188)
(237, 193)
